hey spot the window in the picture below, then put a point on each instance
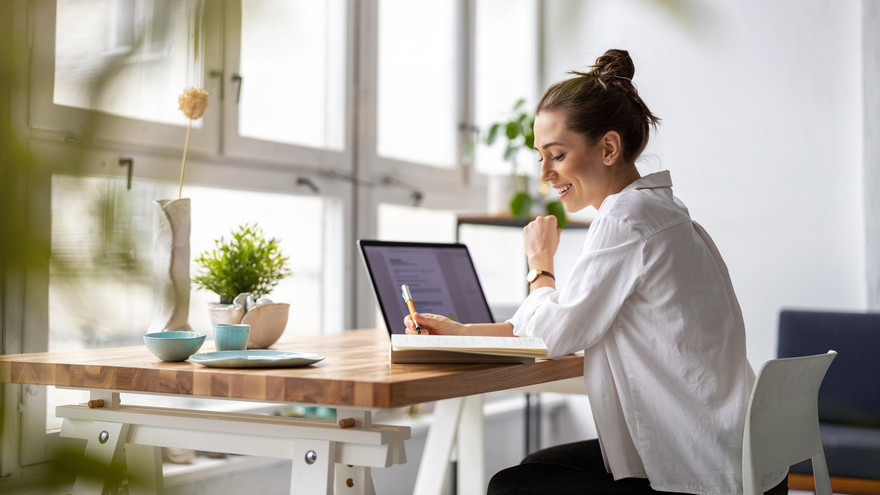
(418, 82)
(140, 52)
(506, 70)
(292, 86)
(111, 71)
(325, 120)
(101, 269)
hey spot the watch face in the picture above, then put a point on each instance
(532, 276)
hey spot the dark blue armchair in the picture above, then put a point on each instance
(849, 399)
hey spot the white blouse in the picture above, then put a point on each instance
(651, 303)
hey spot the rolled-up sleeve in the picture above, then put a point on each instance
(577, 316)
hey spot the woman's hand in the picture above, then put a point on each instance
(541, 239)
(434, 324)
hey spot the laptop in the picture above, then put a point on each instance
(440, 276)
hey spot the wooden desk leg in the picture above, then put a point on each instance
(470, 447)
(438, 447)
(104, 447)
(312, 470)
(354, 480)
(350, 479)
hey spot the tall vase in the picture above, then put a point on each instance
(171, 225)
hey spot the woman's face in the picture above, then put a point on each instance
(576, 170)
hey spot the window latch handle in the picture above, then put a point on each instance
(237, 79)
(127, 162)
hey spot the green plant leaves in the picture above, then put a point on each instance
(513, 129)
(557, 209)
(529, 133)
(521, 205)
(248, 262)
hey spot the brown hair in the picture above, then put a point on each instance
(601, 100)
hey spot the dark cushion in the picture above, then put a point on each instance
(850, 451)
(850, 392)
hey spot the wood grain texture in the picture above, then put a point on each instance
(357, 372)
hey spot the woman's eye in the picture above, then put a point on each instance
(559, 157)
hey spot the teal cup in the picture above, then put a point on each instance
(231, 336)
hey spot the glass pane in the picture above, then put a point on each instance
(506, 65)
(130, 58)
(409, 223)
(100, 285)
(502, 271)
(100, 290)
(418, 82)
(293, 69)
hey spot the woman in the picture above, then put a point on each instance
(650, 302)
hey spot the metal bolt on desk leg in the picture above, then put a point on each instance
(103, 437)
(311, 457)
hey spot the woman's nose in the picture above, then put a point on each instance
(546, 173)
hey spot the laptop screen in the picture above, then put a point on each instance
(441, 278)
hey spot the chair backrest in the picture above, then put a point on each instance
(782, 423)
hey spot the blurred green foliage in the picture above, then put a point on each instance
(20, 247)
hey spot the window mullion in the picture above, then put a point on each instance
(467, 85)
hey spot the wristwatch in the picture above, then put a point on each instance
(534, 274)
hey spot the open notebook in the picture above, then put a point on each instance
(465, 349)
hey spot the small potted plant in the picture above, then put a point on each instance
(242, 271)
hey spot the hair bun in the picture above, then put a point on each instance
(614, 63)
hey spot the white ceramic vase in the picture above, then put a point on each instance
(171, 285)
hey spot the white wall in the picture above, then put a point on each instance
(762, 130)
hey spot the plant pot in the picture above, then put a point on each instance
(501, 189)
(267, 319)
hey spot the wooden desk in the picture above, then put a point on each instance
(355, 377)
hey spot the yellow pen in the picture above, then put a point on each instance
(407, 296)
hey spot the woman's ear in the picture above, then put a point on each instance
(610, 148)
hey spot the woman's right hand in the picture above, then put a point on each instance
(541, 240)
(434, 325)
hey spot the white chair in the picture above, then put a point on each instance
(782, 424)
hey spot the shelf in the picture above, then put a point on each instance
(509, 221)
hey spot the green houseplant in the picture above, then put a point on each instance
(518, 131)
(247, 263)
(242, 271)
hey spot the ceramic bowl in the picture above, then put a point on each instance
(173, 345)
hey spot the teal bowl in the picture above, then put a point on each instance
(174, 346)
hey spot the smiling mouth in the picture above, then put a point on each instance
(561, 190)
